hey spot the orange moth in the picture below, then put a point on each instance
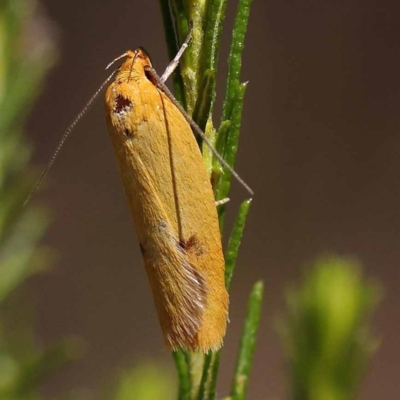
(173, 207)
(171, 201)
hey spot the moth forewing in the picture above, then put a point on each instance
(173, 208)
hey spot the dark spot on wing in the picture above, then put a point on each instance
(122, 104)
(192, 245)
(187, 244)
(128, 133)
(142, 250)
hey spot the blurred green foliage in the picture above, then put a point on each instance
(22, 68)
(147, 381)
(325, 333)
(26, 53)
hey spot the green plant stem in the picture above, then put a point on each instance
(235, 57)
(183, 375)
(212, 39)
(203, 105)
(235, 241)
(234, 96)
(173, 47)
(230, 146)
(247, 343)
(203, 393)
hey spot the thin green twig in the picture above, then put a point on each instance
(173, 47)
(183, 375)
(203, 105)
(235, 241)
(212, 39)
(230, 145)
(247, 343)
(235, 57)
(203, 393)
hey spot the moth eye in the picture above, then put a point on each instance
(150, 77)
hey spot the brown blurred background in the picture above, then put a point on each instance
(320, 145)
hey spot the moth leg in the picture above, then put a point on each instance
(175, 62)
(222, 201)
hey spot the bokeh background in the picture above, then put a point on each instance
(320, 146)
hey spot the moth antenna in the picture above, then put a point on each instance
(116, 59)
(157, 81)
(64, 137)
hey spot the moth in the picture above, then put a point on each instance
(172, 204)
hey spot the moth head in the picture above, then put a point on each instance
(134, 65)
